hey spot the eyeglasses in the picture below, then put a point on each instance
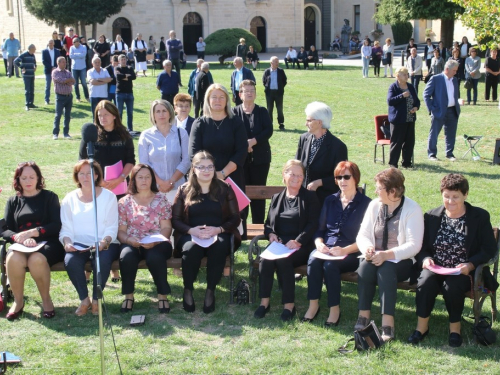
(346, 177)
(26, 163)
(291, 175)
(203, 168)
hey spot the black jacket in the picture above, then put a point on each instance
(201, 83)
(266, 80)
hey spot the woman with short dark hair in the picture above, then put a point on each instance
(102, 49)
(472, 71)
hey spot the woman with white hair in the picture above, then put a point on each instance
(320, 151)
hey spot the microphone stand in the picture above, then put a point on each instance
(97, 271)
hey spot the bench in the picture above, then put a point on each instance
(174, 263)
(258, 193)
(479, 294)
(320, 60)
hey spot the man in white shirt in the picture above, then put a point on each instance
(414, 66)
(291, 56)
(119, 47)
(200, 48)
(49, 60)
(98, 80)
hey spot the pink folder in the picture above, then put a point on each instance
(114, 171)
(242, 198)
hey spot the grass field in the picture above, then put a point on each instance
(231, 341)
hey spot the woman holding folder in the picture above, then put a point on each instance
(142, 213)
(339, 224)
(291, 221)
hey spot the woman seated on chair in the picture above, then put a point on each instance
(144, 212)
(457, 235)
(204, 208)
(78, 229)
(32, 216)
(390, 236)
(339, 224)
(292, 220)
(252, 57)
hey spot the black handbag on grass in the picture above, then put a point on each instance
(468, 83)
(482, 331)
(364, 339)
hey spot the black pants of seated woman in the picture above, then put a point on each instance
(329, 271)
(453, 289)
(285, 272)
(402, 139)
(257, 175)
(156, 260)
(386, 277)
(192, 254)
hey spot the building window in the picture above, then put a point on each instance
(357, 12)
(378, 26)
(10, 8)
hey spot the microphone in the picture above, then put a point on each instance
(89, 136)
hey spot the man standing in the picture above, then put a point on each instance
(67, 44)
(27, 63)
(202, 84)
(78, 56)
(291, 56)
(274, 80)
(192, 83)
(441, 98)
(12, 46)
(125, 91)
(63, 83)
(200, 48)
(168, 82)
(98, 83)
(240, 74)
(174, 47)
(49, 60)
(414, 66)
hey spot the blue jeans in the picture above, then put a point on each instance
(474, 89)
(415, 80)
(366, 66)
(29, 89)
(93, 104)
(48, 81)
(75, 266)
(63, 103)
(81, 75)
(112, 96)
(128, 99)
(449, 121)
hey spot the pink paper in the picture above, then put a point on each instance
(443, 271)
(242, 198)
(114, 171)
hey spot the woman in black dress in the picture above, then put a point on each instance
(252, 57)
(32, 216)
(204, 207)
(102, 49)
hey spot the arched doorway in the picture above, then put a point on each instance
(122, 26)
(309, 27)
(192, 30)
(258, 28)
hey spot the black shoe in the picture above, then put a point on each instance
(32, 106)
(209, 309)
(282, 126)
(162, 308)
(416, 337)
(455, 340)
(333, 324)
(126, 308)
(309, 320)
(188, 307)
(288, 315)
(261, 311)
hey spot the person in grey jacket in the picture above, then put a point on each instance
(27, 63)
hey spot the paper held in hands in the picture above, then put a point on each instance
(81, 247)
(153, 238)
(26, 249)
(319, 255)
(114, 171)
(276, 250)
(443, 270)
(241, 197)
(204, 242)
(362, 256)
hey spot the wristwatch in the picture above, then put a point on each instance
(223, 174)
(124, 177)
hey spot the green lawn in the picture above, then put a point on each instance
(231, 340)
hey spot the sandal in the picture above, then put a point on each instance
(126, 309)
(387, 333)
(49, 314)
(162, 308)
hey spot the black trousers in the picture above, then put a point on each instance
(491, 83)
(201, 54)
(329, 270)
(306, 64)
(156, 260)
(386, 277)
(192, 254)
(285, 272)
(453, 289)
(169, 98)
(376, 66)
(257, 175)
(274, 97)
(237, 100)
(402, 139)
(177, 64)
(198, 107)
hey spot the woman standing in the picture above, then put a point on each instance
(139, 47)
(241, 49)
(465, 47)
(403, 104)
(259, 129)
(32, 216)
(377, 58)
(472, 71)
(366, 55)
(388, 51)
(164, 147)
(151, 45)
(437, 64)
(455, 56)
(492, 67)
(103, 50)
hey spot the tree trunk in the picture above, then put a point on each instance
(94, 31)
(82, 30)
(447, 30)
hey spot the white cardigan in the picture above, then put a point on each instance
(411, 229)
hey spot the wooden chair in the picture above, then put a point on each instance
(380, 139)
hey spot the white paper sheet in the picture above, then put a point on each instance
(319, 255)
(276, 250)
(25, 249)
(204, 242)
(153, 238)
(81, 247)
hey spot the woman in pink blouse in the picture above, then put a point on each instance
(144, 212)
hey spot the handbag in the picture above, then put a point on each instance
(428, 77)
(468, 83)
(482, 331)
(366, 338)
(242, 292)
(385, 61)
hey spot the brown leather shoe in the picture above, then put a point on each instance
(82, 309)
(95, 308)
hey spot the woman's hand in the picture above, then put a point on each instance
(337, 251)
(132, 241)
(465, 268)
(322, 248)
(111, 184)
(23, 236)
(428, 262)
(164, 185)
(204, 232)
(148, 246)
(370, 252)
(314, 185)
(413, 110)
(274, 238)
(293, 245)
(30, 242)
(406, 94)
(69, 248)
(379, 258)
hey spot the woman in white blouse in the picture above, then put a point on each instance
(78, 228)
(388, 51)
(164, 147)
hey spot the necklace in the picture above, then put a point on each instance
(220, 123)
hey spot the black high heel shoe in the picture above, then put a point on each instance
(310, 320)
(162, 308)
(209, 309)
(186, 306)
(333, 324)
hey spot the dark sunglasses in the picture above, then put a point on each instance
(346, 177)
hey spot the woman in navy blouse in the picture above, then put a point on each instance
(339, 224)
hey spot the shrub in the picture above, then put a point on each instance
(223, 42)
(402, 32)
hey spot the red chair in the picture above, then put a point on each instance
(380, 139)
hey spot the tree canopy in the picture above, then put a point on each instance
(223, 42)
(483, 16)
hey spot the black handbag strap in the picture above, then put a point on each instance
(343, 349)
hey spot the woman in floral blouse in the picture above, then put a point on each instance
(142, 213)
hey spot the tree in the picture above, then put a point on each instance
(394, 11)
(223, 42)
(482, 16)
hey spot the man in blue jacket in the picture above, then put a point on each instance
(240, 74)
(174, 47)
(27, 63)
(441, 98)
(49, 60)
(12, 46)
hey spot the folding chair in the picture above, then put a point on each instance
(471, 141)
(380, 139)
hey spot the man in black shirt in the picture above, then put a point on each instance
(124, 90)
